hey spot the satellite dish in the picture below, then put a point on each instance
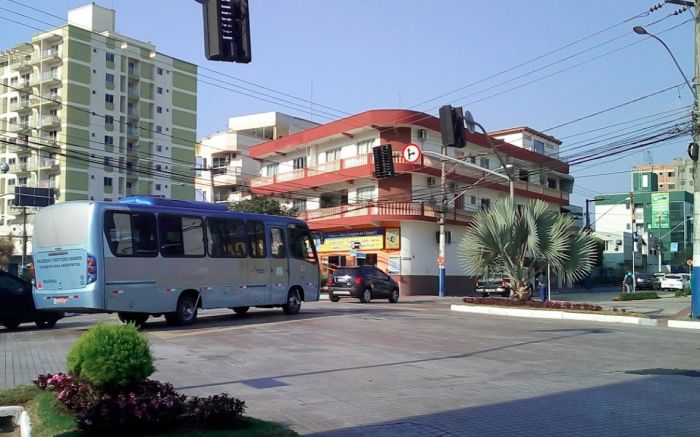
(693, 151)
(469, 121)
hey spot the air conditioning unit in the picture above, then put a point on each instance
(459, 154)
(431, 182)
(422, 134)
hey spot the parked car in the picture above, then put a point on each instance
(497, 284)
(362, 282)
(675, 281)
(18, 304)
(656, 280)
(645, 281)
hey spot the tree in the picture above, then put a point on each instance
(263, 205)
(599, 249)
(520, 242)
(7, 249)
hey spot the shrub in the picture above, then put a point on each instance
(684, 292)
(111, 356)
(217, 411)
(638, 296)
(552, 304)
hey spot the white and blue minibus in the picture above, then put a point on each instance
(146, 256)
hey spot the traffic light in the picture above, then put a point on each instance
(226, 30)
(452, 126)
(383, 161)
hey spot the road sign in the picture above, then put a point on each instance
(411, 153)
(361, 255)
(356, 245)
(353, 252)
(441, 261)
(689, 262)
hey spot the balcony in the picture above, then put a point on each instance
(18, 128)
(19, 147)
(48, 100)
(21, 64)
(132, 149)
(49, 164)
(50, 183)
(132, 132)
(133, 73)
(48, 77)
(133, 94)
(22, 167)
(50, 55)
(20, 106)
(373, 211)
(48, 121)
(228, 175)
(22, 85)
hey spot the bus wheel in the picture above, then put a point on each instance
(240, 310)
(293, 304)
(138, 319)
(10, 325)
(185, 312)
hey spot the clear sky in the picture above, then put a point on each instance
(356, 55)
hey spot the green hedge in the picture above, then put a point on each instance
(638, 296)
(683, 293)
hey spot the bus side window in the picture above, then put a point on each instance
(181, 236)
(131, 233)
(277, 248)
(226, 238)
(256, 239)
(302, 246)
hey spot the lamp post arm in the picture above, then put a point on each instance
(495, 150)
(687, 82)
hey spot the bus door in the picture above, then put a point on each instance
(258, 285)
(279, 268)
(303, 262)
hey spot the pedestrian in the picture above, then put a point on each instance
(628, 281)
(28, 272)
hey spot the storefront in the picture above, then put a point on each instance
(376, 246)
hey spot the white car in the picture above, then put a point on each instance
(675, 281)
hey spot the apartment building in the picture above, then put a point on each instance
(678, 175)
(95, 115)
(530, 139)
(327, 174)
(223, 159)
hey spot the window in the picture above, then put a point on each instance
(159, 129)
(299, 205)
(301, 244)
(671, 186)
(226, 238)
(271, 169)
(108, 161)
(365, 194)
(159, 148)
(109, 140)
(109, 57)
(472, 159)
(484, 162)
(11, 182)
(218, 161)
(670, 174)
(485, 203)
(131, 234)
(109, 98)
(538, 146)
(13, 100)
(277, 247)
(552, 183)
(333, 155)
(159, 109)
(109, 78)
(180, 236)
(363, 147)
(299, 163)
(22, 181)
(107, 181)
(158, 167)
(157, 187)
(159, 71)
(159, 90)
(256, 239)
(109, 119)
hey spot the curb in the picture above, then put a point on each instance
(683, 324)
(20, 418)
(558, 315)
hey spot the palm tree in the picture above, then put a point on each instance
(521, 241)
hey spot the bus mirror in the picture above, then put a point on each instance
(318, 236)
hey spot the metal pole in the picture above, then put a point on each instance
(695, 281)
(511, 189)
(588, 215)
(658, 247)
(549, 283)
(443, 212)
(24, 236)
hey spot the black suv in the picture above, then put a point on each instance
(362, 282)
(17, 304)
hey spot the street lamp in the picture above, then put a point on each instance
(639, 30)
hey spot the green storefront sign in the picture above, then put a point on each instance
(659, 210)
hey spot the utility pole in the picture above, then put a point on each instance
(658, 244)
(24, 236)
(695, 281)
(634, 239)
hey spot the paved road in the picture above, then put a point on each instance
(415, 368)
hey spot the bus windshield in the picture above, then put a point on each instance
(64, 225)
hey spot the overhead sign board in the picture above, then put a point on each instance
(31, 196)
(659, 210)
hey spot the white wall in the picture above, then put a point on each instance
(419, 249)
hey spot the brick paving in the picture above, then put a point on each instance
(415, 368)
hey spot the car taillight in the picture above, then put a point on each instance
(358, 281)
(505, 282)
(330, 280)
(91, 269)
